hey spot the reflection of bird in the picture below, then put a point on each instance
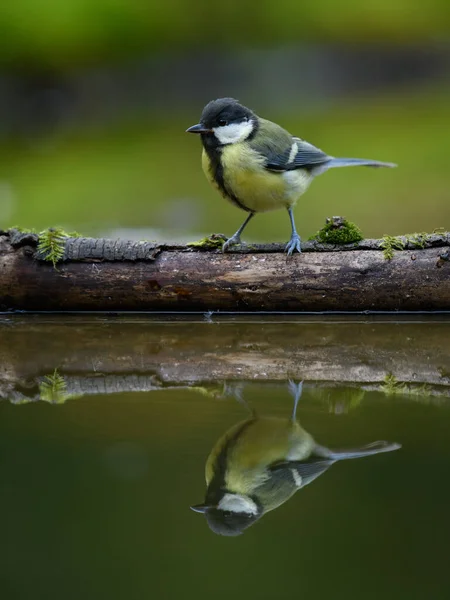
(260, 463)
(258, 165)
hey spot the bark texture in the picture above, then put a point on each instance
(117, 275)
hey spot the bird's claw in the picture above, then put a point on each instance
(294, 244)
(232, 241)
(295, 388)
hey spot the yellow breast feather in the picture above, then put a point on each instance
(244, 174)
(246, 179)
(267, 441)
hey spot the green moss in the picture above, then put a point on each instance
(212, 242)
(390, 243)
(338, 230)
(52, 243)
(23, 229)
(420, 241)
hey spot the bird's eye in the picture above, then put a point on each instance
(223, 122)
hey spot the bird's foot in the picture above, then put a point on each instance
(295, 389)
(234, 240)
(233, 390)
(294, 244)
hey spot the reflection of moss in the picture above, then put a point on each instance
(21, 399)
(418, 240)
(212, 242)
(444, 373)
(391, 386)
(390, 243)
(220, 391)
(338, 230)
(346, 400)
(53, 389)
(204, 391)
(338, 400)
(52, 243)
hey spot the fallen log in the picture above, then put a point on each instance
(102, 356)
(117, 275)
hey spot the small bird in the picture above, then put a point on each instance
(258, 165)
(258, 464)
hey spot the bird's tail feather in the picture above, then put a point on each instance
(357, 162)
(374, 448)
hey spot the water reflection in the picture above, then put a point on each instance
(259, 463)
(105, 453)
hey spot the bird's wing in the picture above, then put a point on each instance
(298, 155)
(282, 151)
(286, 478)
(278, 487)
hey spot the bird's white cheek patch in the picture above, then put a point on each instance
(233, 133)
(238, 504)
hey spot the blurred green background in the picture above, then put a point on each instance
(95, 97)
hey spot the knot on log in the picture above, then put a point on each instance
(18, 239)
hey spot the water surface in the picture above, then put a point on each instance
(106, 426)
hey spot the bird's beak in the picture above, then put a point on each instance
(198, 129)
(200, 508)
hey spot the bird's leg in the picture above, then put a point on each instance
(235, 390)
(240, 398)
(296, 390)
(295, 242)
(236, 238)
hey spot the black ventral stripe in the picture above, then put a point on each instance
(215, 164)
(217, 483)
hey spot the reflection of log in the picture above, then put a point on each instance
(76, 386)
(116, 275)
(119, 355)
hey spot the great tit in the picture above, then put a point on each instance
(260, 463)
(258, 165)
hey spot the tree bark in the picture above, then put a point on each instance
(116, 275)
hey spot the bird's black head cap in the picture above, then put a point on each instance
(224, 111)
(229, 523)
